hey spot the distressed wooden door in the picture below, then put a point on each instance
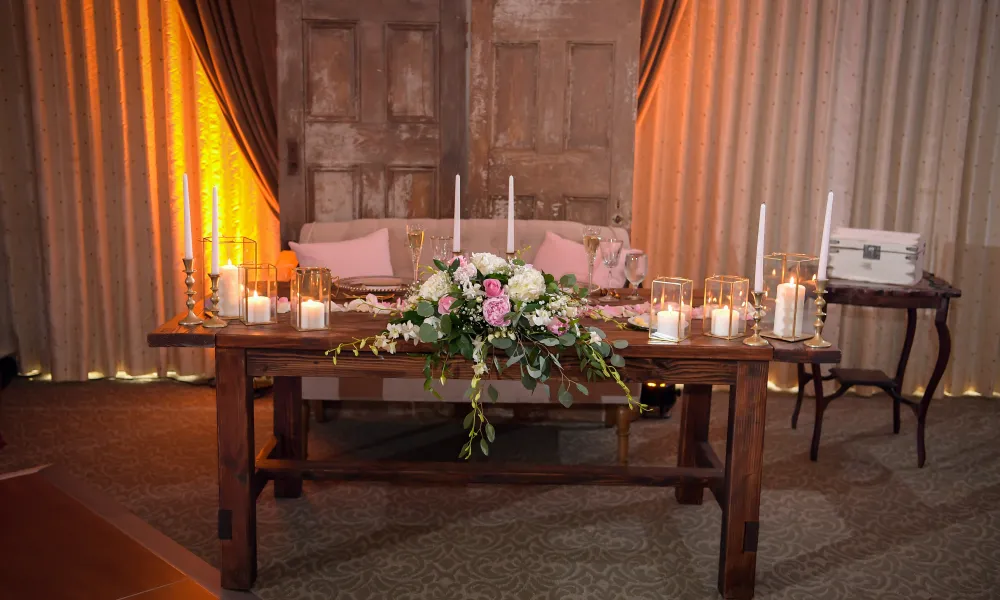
(552, 101)
(371, 108)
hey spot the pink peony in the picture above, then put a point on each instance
(444, 304)
(495, 310)
(558, 326)
(493, 287)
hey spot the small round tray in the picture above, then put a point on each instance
(374, 284)
(639, 322)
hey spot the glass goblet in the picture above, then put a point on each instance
(591, 240)
(636, 263)
(611, 253)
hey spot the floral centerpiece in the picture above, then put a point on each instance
(499, 314)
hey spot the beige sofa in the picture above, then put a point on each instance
(478, 235)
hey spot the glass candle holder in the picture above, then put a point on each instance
(310, 298)
(726, 304)
(259, 284)
(670, 309)
(233, 251)
(789, 296)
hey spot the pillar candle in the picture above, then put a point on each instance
(188, 246)
(789, 304)
(456, 236)
(758, 273)
(510, 215)
(824, 249)
(215, 230)
(258, 309)
(725, 321)
(229, 290)
(670, 325)
(312, 314)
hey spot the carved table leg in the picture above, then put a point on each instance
(803, 380)
(623, 424)
(821, 403)
(696, 410)
(904, 357)
(237, 504)
(289, 429)
(944, 353)
(741, 494)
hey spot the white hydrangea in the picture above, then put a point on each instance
(526, 284)
(488, 264)
(465, 273)
(437, 285)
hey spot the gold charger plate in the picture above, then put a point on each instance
(378, 284)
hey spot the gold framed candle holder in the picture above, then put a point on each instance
(259, 285)
(726, 306)
(233, 252)
(670, 309)
(310, 299)
(789, 296)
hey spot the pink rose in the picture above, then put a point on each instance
(444, 304)
(493, 287)
(495, 310)
(558, 326)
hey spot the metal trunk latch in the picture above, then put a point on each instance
(872, 252)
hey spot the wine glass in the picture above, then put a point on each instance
(591, 240)
(611, 253)
(441, 248)
(636, 263)
(415, 238)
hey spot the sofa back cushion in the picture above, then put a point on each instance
(365, 255)
(478, 235)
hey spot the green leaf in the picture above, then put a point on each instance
(465, 347)
(617, 361)
(496, 363)
(454, 264)
(565, 398)
(428, 334)
(533, 371)
(514, 360)
(440, 265)
(549, 341)
(502, 342)
(598, 330)
(466, 450)
(484, 446)
(567, 339)
(446, 324)
(491, 433)
(494, 394)
(583, 389)
(457, 304)
(467, 423)
(425, 309)
(620, 344)
(605, 349)
(528, 383)
(567, 280)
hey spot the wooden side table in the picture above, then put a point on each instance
(930, 293)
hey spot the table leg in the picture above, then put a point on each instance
(237, 505)
(741, 494)
(696, 410)
(289, 429)
(904, 358)
(803, 380)
(623, 423)
(821, 402)
(944, 353)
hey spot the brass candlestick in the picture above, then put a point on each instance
(191, 319)
(758, 314)
(214, 322)
(511, 255)
(817, 341)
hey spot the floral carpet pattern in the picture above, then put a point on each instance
(861, 523)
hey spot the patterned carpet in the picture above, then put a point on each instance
(862, 523)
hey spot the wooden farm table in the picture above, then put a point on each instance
(279, 351)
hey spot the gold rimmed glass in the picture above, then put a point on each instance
(415, 239)
(591, 242)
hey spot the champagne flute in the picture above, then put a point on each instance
(415, 238)
(611, 253)
(636, 263)
(591, 240)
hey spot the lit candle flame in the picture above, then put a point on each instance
(255, 293)
(791, 280)
(229, 262)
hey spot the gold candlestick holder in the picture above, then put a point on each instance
(214, 322)
(191, 319)
(511, 255)
(817, 341)
(758, 314)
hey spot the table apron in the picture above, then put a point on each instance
(305, 363)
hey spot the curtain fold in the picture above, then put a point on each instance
(107, 107)
(658, 19)
(236, 41)
(892, 105)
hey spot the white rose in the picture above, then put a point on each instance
(488, 264)
(526, 285)
(437, 285)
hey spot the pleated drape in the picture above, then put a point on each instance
(891, 104)
(108, 107)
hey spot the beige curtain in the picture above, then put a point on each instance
(107, 108)
(890, 104)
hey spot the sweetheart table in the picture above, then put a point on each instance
(279, 351)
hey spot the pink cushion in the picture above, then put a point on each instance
(559, 256)
(368, 255)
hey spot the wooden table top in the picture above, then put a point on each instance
(348, 326)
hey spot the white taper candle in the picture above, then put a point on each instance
(824, 249)
(456, 236)
(510, 215)
(215, 230)
(758, 273)
(188, 247)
